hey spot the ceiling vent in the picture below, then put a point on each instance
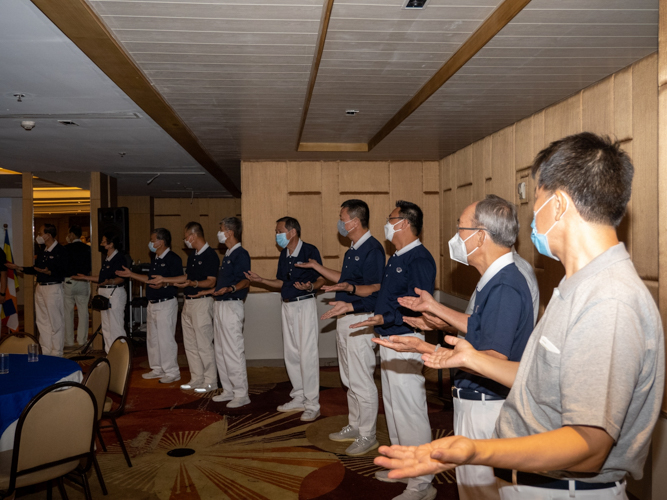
(415, 4)
(351, 112)
(68, 122)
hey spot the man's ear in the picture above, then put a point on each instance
(481, 238)
(563, 202)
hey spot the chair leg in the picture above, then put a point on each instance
(61, 489)
(98, 471)
(49, 491)
(99, 436)
(86, 486)
(120, 441)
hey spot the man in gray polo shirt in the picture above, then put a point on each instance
(587, 392)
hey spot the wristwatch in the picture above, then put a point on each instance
(233, 287)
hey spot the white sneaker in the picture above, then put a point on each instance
(225, 396)
(191, 385)
(428, 494)
(361, 446)
(347, 433)
(238, 402)
(310, 415)
(152, 374)
(206, 388)
(293, 405)
(383, 475)
(168, 379)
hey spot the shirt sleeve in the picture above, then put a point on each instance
(281, 272)
(422, 276)
(372, 274)
(314, 254)
(212, 264)
(499, 321)
(242, 266)
(175, 266)
(600, 365)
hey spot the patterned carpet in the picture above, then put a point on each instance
(185, 446)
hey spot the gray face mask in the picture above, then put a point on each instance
(341, 228)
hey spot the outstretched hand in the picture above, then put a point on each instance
(376, 320)
(253, 276)
(303, 286)
(338, 308)
(338, 287)
(125, 273)
(451, 358)
(423, 302)
(404, 343)
(307, 265)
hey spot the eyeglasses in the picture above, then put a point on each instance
(390, 218)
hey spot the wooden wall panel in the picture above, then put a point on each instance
(380, 206)
(448, 227)
(523, 149)
(304, 176)
(624, 230)
(462, 166)
(446, 173)
(266, 268)
(431, 234)
(523, 244)
(597, 107)
(645, 160)
(431, 177)
(539, 141)
(562, 119)
(364, 176)
(503, 163)
(623, 104)
(330, 209)
(406, 181)
(307, 209)
(481, 162)
(264, 200)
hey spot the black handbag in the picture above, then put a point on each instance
(100, 302)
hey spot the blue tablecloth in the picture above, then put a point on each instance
(25, 380)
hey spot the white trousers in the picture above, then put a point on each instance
(197, 323)
(76, 292)
(476, 420)
(113, 319)
(49, 316)
(230, 346)
(161, 337)
(404, 398)
(302, 358)
(356, 361)
(508, 491)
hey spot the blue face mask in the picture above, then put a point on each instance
(342, 230)
(281, 239)
(541, 241)
(151, 247)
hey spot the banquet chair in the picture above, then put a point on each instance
(120, 359)
(17, 343)
(54, 432)
(97, 380)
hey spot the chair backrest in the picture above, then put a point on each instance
(17, 343)
(120, 358)
(97, 380)
(53, 432)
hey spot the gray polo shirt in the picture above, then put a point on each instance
(596, 358)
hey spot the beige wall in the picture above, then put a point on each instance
(312, 192)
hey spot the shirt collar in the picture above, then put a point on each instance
(493, 269)
(407, 248)
(53, 245)
(609, 257)
(360, 241)
(230, 250)
(112, 255)
(163, 254)
(74, 241)
(296, 250)
(202, 249)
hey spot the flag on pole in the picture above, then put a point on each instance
(8, 314)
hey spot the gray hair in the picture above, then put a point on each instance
(499, 217)
(234, 225)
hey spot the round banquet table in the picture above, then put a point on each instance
(23, 382)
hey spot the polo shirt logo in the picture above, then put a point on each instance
(357, 258)
(163, 265)
(399, 270)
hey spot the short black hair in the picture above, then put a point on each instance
(75, 229)
(235, 225)
(195, 227)
(413, 214)
(162, 234)
(594, 171)
(50, 229)
(291, 223)
(358, 209)
(112, 237)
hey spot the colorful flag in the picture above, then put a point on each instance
(10, 317)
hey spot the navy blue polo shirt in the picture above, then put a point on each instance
(289, 274)
(402, 274)
(199, 267)
(362, 266)
(169, 266)
(232, 272)
(109, 267)
(501, 321)
(55, 261)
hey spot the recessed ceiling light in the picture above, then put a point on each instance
(415, 4)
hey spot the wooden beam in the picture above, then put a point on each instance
(82, 25)
(498, 19)
(315, 67)
(333, 146)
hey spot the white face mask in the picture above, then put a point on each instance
(389, 230)
(221, 237)
(458, 250)
(40, 240)
(187, 243)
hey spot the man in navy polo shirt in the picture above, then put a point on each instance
(299, 317)
(197, 314)
(363, 265)
(162, 310)
(403, 392)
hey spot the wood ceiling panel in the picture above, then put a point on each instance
(139, 48)
(207, 10)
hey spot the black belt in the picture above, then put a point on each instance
(160, 300)
(539, 481)
(50, 283)
(109, 286)
(193, 298)
(303, 297)
(473, 395)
